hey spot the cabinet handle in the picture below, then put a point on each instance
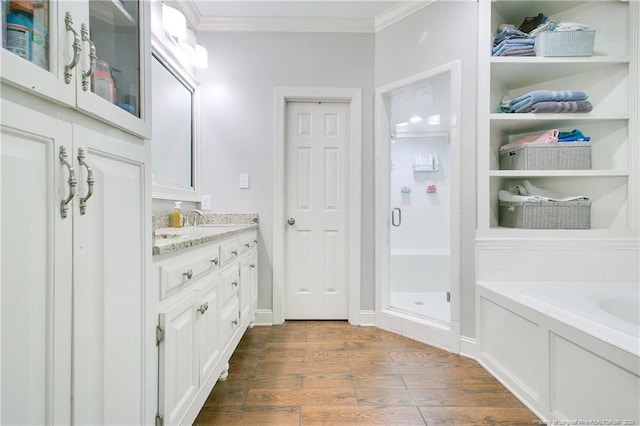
(203, 308)
(234, 252)
(234, 322)
(77, 47)
(188, 274)
(64, 204)
(93, 57)
(90, 181)
(255, 241)
(235, 283)
(247, 245)
(215, 261)
(253, 265)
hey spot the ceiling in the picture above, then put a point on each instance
(297, 15)
(294, 8)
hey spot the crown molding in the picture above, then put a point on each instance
(191, 13)
(286, 24)
(396, 13)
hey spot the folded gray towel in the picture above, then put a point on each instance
(561, 106)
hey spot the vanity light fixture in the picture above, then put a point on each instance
(200, 58)
(175, 25)
(173, 22)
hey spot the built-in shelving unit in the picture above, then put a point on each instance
(609, 77)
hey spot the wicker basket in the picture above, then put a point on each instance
(544, 156)
(546, 214)
(564, 43)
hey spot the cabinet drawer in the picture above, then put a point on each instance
(230, 283)
(247, 243)
(229, 250)
(178, 272)
(230, 320)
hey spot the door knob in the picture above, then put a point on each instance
(291, 221)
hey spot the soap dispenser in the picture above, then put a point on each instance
(176, 216)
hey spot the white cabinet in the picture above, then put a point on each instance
(610, 78)
(202, 319)
(189, 348)
(94, 60)
(80, 270)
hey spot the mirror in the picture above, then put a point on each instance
(174, 143)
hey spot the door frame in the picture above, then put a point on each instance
(352, 97)
(422, 329)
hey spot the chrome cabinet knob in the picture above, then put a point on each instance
(188, 274)
(291, 221)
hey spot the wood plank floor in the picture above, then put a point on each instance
(331, 373)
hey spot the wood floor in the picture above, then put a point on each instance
(331, 373)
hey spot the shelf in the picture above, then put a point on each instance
(532, 122)
(558, 173)
(112, 12)
(521, 72)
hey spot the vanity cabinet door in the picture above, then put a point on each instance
(208, 330)
(248, 287)
(36, 276)
(178, 359)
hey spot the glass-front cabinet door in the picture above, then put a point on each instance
(91, 55)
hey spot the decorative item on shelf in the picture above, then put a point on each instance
(405, 189)
(175, 26)
(432, 189)
(426, 162)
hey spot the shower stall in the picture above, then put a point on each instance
(417, 177)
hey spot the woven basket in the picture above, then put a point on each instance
(564, 43)
(546, 214)
(544, 156)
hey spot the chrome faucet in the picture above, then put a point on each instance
(195, 219)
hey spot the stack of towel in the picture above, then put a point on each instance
(512, 42)
(550, 136)
(548, 101)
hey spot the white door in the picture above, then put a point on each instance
(316, 140)
(109, 276)
(35, 286)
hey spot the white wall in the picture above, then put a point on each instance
(238, 122)
(435, 35)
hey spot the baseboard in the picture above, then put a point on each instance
(368, 318)
(264, 317)
(469, 347)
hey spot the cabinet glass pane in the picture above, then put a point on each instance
(115, 32)
(25, 30)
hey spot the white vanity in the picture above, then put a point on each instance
(207, 285)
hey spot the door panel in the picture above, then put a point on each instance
(317, 137)
(109, 276)
(35, 290)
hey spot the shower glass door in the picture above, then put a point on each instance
(419, 160)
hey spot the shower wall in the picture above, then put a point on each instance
(426, 216)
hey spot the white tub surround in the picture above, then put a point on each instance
(570, 351)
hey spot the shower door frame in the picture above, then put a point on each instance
(431, 331)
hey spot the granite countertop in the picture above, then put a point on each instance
(214, 227)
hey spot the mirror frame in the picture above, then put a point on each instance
(169, 192)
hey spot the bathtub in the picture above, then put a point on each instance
(570, 351)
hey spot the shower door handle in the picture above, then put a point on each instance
(396, 217)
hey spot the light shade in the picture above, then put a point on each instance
(200, 58)
(188, 42)
(173, 21)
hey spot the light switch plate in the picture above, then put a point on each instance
(244, 181)
(205, 202)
